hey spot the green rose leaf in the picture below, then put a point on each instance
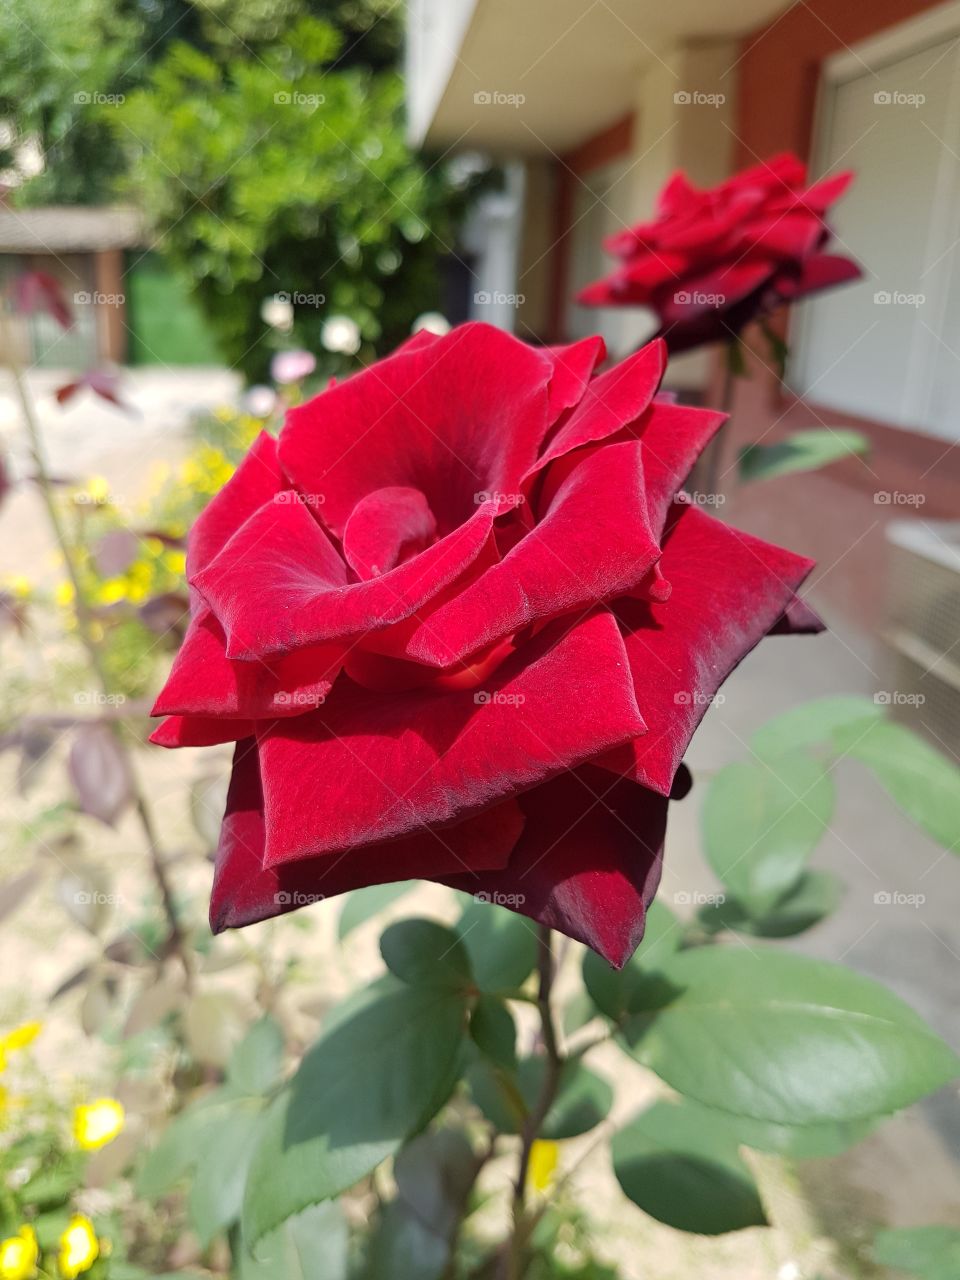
(312, 1245)
(501, 944)
(783, 1038)
(217, 1186)
(583, 1098)
(494, 1031)
(363, 904)
(815, 895)
(638, 984)
(932, 1253)
(813, 724)
(256, 1064)
(370, 1082)
(920, 780)
(801, 451)
(681, 1164)
(762, 821)
(425, 953)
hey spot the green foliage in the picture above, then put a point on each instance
(502, 945)
(682, 1165)
(57, 64)
(639, 984)
(363, 904)
(931, 1253)
(283, 171)
(806, 450)
(371, 1081)
(762, 821)
(779, 1037)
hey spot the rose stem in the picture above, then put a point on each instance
(91, 645)
(732, 357)
(548, 1092)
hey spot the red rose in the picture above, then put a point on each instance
(713, 260)
(461, 628)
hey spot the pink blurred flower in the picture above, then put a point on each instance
(292, 366)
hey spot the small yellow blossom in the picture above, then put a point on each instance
(18, 585)
(64, 593)
(97, 489)
(18, 1255)
(21, 1036)
(224, 413)
(175, 561)
(79, 1247)
(97, 1123)
(543, 1163)
(112, 590)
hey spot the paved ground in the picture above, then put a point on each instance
(90, 437)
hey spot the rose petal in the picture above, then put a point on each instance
(245, 892)
(199, 731)
(461, 415)
(588, 861)
(594, 542)
(385, 527)
(611, 400)
(728, 590)
(279, 584)
(205, 682)
(254, 482)
(367, 768)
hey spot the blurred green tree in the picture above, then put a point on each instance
(284, 171)
(264, 140)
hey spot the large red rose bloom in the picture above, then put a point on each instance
(461, 627)
(713, 260)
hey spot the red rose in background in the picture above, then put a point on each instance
(713, 260)
(462, 628)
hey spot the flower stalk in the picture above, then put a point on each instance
(176, 940)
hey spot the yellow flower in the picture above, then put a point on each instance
(543, 1163)
(18, 585)
(79, 1247)
(21, 1036)
(176, 561)
(64, 593)
(112, 590)
(97, 1123)
(18, 1038)
(97, 490)
(224, 413)
(18, 1255)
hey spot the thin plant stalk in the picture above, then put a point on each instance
(88, 639)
